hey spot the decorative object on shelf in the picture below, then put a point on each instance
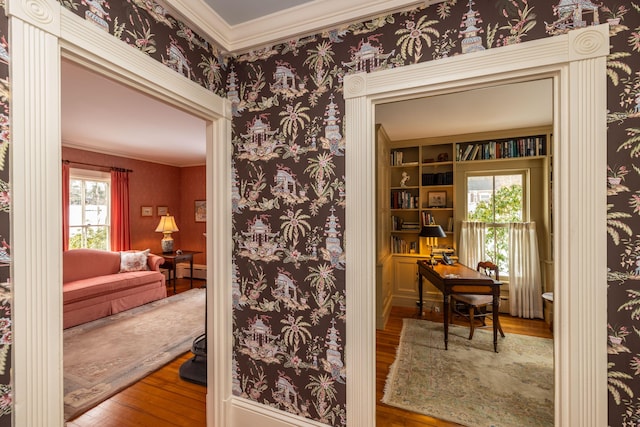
(201, 210)
(443, 157)
(437, 199)
(162, 210)
(146, 211)
(432, 232)
(167, 226)
(405, 178)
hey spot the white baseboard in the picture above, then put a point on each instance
(199, 271)
(243, 413)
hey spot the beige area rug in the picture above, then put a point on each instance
(107, 355)
(470, 384)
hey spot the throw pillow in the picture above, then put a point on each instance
(134, 261)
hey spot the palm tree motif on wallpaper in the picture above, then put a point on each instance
(321, 169)
(414, 34)
(323, 281)
(319, 61)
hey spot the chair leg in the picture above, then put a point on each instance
(471, 321)
(497, 320)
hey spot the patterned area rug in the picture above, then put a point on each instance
(470, 384)
(107, 355)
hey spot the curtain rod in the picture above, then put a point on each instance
(98, 166)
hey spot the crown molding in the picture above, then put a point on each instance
(304, 19)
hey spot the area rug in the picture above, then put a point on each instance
(107, 355)
(470, 384)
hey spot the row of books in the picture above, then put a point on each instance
(441, 178)
(506, 149)
(397, 159)
(399, 224)
(401, 246)
(403, 200)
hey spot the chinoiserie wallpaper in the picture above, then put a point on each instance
(288, 177)
(6, 401)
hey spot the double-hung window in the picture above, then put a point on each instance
(498, 198)
(89, 209)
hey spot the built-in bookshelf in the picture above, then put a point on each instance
(422, 180)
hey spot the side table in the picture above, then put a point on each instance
(171, 260)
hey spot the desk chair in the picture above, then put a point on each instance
(472, 306)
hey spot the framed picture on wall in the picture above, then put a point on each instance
(146, 211)
(201, 210)
(163, 210)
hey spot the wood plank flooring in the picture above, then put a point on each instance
(163, 399)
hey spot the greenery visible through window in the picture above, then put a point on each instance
(89, 207)
(497, 199)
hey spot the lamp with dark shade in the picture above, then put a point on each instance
(432, 232)
(167, 226)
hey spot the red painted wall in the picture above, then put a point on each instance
(153, 184)
(192, 188)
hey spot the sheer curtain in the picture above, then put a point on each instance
(120, 238)
(65, 205)
(472, 236)
(525, 284)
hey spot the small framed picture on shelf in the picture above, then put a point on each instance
(437, 199)
(163, 210)
(146, 211)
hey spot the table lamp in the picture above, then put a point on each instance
(432, 232)
(167, 226)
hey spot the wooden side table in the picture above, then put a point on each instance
(171, 260)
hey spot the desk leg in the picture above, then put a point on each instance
(496, 313)
(445, 305)
(420, 295)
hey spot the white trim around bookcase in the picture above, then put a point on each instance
(576, 62)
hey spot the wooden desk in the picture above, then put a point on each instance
(172, 259)
(459, 279)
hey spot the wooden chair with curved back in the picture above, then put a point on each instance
(471, 306)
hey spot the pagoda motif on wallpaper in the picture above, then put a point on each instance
(368, 56)
(176, 59)
(333, 363)
(286, 82)
(332, 251)
(260, 142)
(96, 13)
(472, 42)
(287, 291)
(332, 139)
(287, 187)
(571, 14)
(259, 242)
(258, 342)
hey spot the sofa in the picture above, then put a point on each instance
(97, 283)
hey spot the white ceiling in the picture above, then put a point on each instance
(101, 115)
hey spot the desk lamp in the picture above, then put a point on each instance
(432, 232)
(167, 226)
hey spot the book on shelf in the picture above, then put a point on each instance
(450, 224)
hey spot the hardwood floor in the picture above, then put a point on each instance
(163, 399)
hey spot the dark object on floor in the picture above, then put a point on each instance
(195, 369)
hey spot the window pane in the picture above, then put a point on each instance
(479, 198)
(508, 198)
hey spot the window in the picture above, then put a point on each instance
(89, 208)
(497, 198)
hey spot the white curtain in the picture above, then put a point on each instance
(471, 247)
(525, 284)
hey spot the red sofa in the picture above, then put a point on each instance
(93, 286)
